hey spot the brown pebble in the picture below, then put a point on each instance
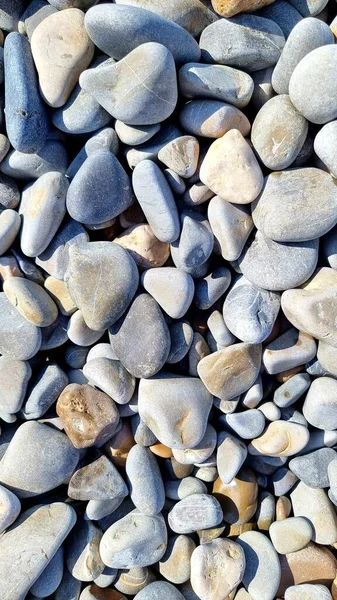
(97, 593)
(144, 247)
(89, 416)
(283, 508)
(238, 499)
(161, 450)
(117, 448)
(208, 535)
(229, 8)
(175, 470)
(313, 564)
(236, 530)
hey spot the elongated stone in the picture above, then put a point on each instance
(231, 454)
(31, 300)
(44, 390)
(52, 157)
(10, 223)
(141, 465)
(263, 572)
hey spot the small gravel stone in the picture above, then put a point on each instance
(181, 488)
(288, 393)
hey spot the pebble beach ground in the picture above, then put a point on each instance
(168, 303)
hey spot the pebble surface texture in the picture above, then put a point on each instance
(168, 300)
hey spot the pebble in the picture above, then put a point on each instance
(52, 157)
(104, 139)
(249, 311)
(246, 42)
(69, 588)
(212, 118)
(72, 51)
(312, 468)
(307, 35)
(171, 288)
(89, 416)
(248, 424)
(35, 12)
(230, 371)
(283, 480)
(159, 589)
(19, 339)
(238, 499)
(294, 224)
(319, 511)
(231, 225)
(9, 192)
(135, 135)
(310, 565)
(99, 480)
(26, 115)
(111, 377)
(266, 511)
(10, 223)
(50, 578)
(111, 82)
(175, 564)
(291, 534)
(43, 391)
(135, 540)
(10, 508)
(83, 559)
(78, 331)
(141, 465)
(31, 545)
(325, 147)
(37, 474)
(217, 568)
(175, 408)
(10, 13)
(131, 581)
(142, 433)
(143, 321)
(194, 512)
(284, 14)
(307, 82)
(220, 82)
(81, 113)
(181, 155)
(149, 150)
(263, 89)
(289, 392)
(146, 250)
(91, 266)
(309, 8)
(14, 378)
(263, 571)
(291, 349)
(195, 243)
(231, 454)
(224, 176)
(31, 301)
(58, 291)
(281, 438)
(119, 29)
(320, 407)
(199, 453)
(307, 591)
(181, 334)
(278, 133)
(218, 331)
(181, 488)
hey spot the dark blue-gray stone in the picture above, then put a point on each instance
(141, 339)
(55, 257)
(52, 157)
(19, 339)
(9, 192)
(283, 13)
(55, 335)
(43, 391)
(181, 334)
(100, 190)
(119, 29)
(247, 42)
(69, 588)
(76, 356)
(104, 139)
(209, 289)
(25, 112)
(36, 11)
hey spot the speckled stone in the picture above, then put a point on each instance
(65, 31)
(43, 391)
(312, 468)
(9, 192)
(119, 29)
(37, 474)
(278, 133)
(31, 544)
(91, 267)
(99, 480)
(295, 223)
(26, 115)
(231, 454)
(83, 558)
(135, 540)
(281, 438)
(288, 393)
(10, 223)
(216, 81)
(307, 35)
(19, 339)
(263, 572)
(212, 118)
(314, 505)
(110, 83)
(52, 157)
(230, 371)
(175, 408)
(194, 512)
(247, 42)
(265, 263)
(307, 82)
(320, 405)
(43, 206)
(89, 416)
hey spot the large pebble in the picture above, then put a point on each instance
(320, 405)
(31, 545)
(312, 468)
(100, 190)
(263, 572)
(144, 247)
(26, 116)
(39, 472)
(119, 29)
(217, 568)
(291, 349)
(231, 170)
(281, 438)
(111, 83)
(141, 466)
(212, 118)
(19, 339)
(159, 589)
(135, 540)
(43, 206)
(196, 242)
(111, 377)
(175, 564)
(102, 278)
(10, 508)
(290, 535)
(201, 452)
(305, 215)
(231, 225)
(311, 565)
(181, 155)
(247, 42)
(278, 266)
(157, 201)
(61, 50)
(314, 505)
(230, 371)
(230, 8)
(99, 480)
(89, 416)
(55, 258)
(309, 80)
(51, 157)
(307, 35)
(31, 300)
(175, 408)
(198, 511)
(278, 133)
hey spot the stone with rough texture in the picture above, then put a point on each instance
(61, 50)
(141, 466)
(99, 480)
(314, 505)
(290, 535)
(39, 472)
(231, 170)
(231, 225)
(263, 572)
(212, 118)
(89, 416)
(281, 438)
(198, 511)
(19, 339)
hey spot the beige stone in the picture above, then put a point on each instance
(238, 498)
(9, 268)
(59, 292)
(283, 508)
(61, 50)
(231, 170)
(144, 247)
(232, 370)
(229, 8)
(181, 155)
(281, 438)
(314, 505)
(175, 564)
(290, 535)
(31, 301)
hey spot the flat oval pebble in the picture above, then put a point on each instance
(153, 103)
(247, 42)
(72, 52)
(119, 29)
(141, 465)
(175, 408)
(309, 79)
(195, 512)
(291, 349)
(295, 191)
(289, 392)
(91, 266)
(281, 438)
(19, 339)
(217, 568)
(212, 118)
(314, 505)
(265, 263)
(263, 572)
(135, 540)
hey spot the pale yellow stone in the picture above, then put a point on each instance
(59, 292)
(281, 438)
(229, 8)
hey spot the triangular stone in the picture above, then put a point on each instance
(173, 289)
(181, 155)
(99, 480)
